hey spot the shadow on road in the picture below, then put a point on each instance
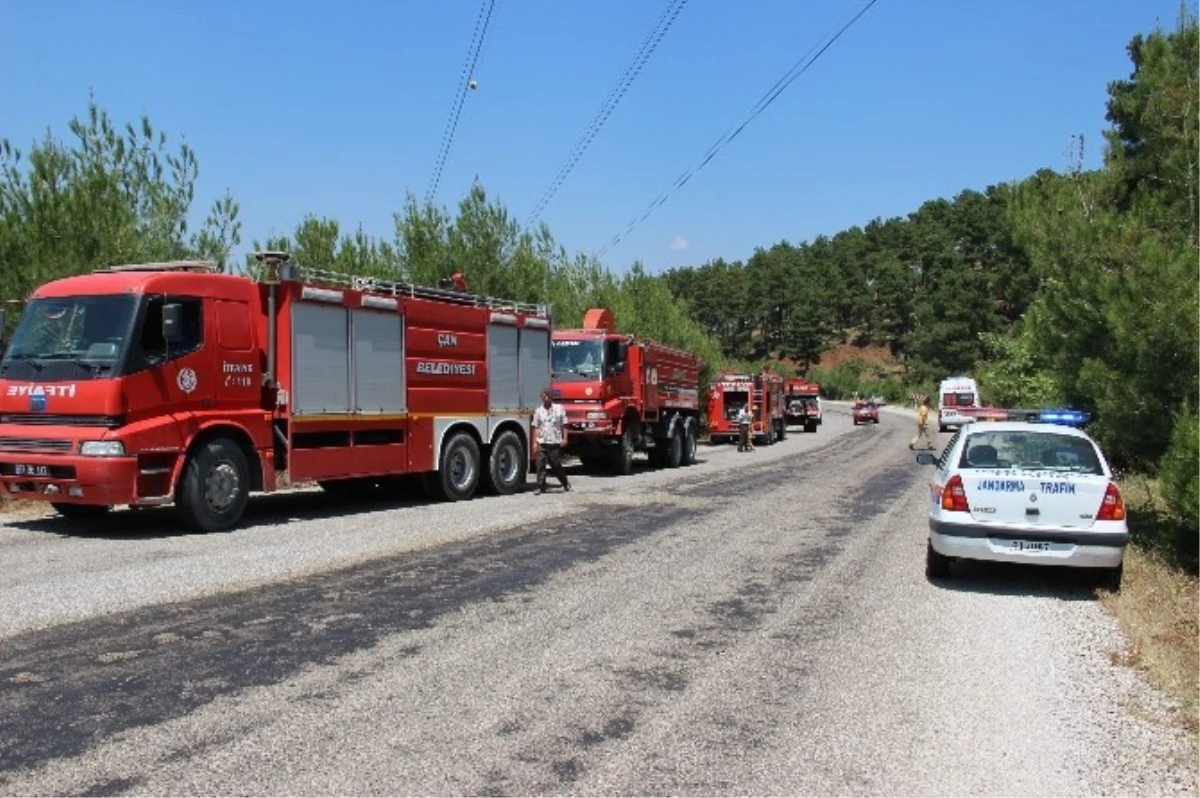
(641, 465)
(1011, 579)
(263, 511)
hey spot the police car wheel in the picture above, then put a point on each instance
(1110, 578)
(937, 566)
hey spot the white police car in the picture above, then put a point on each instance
(1025, 492)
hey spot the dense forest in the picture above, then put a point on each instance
(1076, 287)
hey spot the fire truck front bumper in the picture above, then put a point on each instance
(74, 479)
(593, 420)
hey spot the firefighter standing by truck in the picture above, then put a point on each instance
(745, 435)
(550, 421)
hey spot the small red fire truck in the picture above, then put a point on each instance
(730, 392)
(803, 401)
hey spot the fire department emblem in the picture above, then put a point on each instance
(186, 380)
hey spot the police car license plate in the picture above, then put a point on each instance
(1030, 545)
(32, 470)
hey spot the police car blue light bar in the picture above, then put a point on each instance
(1065, 416)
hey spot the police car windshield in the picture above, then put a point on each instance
(1030, 451)
(577, 359)
(70, 338)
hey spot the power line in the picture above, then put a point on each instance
(481, 26)
(797, 69)
(649, 45)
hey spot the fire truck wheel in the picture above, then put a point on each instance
(782, 435)
(622, 458)
(689, 446)
(673, 456)
(215, 486)
(506, 465)
(458, 476)
(80, 512)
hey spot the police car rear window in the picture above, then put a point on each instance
(1030, 451)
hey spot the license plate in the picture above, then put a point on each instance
(32, 470)
(1030, 545)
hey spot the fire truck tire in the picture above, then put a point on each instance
(622, 458)
(80, 512)
(782, 433)
(506, 464)
(215, 487)
(673, 451)
(689, 446)
(458, 476)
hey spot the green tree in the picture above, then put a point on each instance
(110, 196)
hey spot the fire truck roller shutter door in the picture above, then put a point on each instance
(321, 359)
(503, 366)
(379, 385)
(534, 365)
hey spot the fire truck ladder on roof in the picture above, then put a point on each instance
(382, 285)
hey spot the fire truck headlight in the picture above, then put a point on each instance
(102, 449)
(597, 415)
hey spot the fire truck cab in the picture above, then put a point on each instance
(168, 383)
(803, 400)
(623, 394)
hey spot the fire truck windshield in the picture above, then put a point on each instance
(75, 338)
(577, 359)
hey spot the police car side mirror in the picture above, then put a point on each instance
(926, 458)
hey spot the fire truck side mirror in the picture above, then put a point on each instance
(622, 357)
(172, 323)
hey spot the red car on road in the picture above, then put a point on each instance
(865, 413)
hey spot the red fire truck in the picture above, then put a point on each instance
(169, 382)
(624, 395)
(730, 392)
(803, 400)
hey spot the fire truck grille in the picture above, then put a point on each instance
(34, 445)
(42, 419)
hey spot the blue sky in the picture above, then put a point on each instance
(340, 109)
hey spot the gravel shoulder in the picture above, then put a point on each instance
(757, 624)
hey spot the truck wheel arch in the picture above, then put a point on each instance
(233, 432)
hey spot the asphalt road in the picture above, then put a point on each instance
(756, 624)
